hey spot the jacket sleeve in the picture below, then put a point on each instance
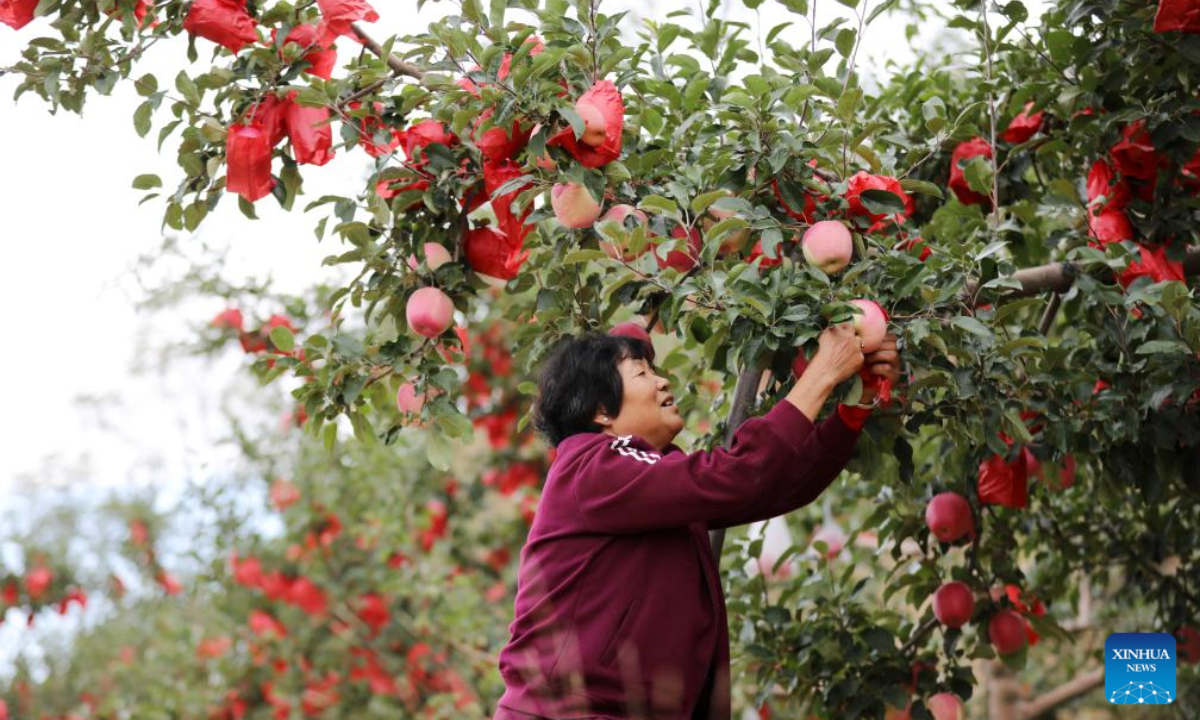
(625, 487)
(822, 458)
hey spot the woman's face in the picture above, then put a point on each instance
(647, 407)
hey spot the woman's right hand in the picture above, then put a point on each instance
(839, 353)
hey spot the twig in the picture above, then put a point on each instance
(744, 395)
(1048, 316)
(1081, 685)
(397, 65)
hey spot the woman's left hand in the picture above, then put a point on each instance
(884, 362)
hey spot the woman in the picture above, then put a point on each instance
(619, 611)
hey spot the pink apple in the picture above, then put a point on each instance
(833, 537)
(574, 206)
(633, 330)
(733, 241)
(871, 324)
(436, 255)
(828, 245)
(948, 516)
(953, 604)
(408, 402)
(619, 214)
(1006, 631)
(595, 129)
(430, 312)
(946, 706)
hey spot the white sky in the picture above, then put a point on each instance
(72, 230)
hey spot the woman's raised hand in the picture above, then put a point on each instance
(839, 353)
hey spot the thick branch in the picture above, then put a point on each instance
(1068, 691)
(1058, 277)
(397, 65)
(744, 395)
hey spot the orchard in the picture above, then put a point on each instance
(1018, 207)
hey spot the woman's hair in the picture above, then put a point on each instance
(578, 379)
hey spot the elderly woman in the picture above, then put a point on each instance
(619, 611)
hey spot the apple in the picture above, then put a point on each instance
(1006, 631)
(946, 706)
(735, 240)
(828, 245)
(800, 364)
(871, 325)
(230, 319)
(948, 516)
(436, 255)
(633, 330)
(678, 259)
(430, 312)
(833, 537)
(408, 402)
(595, 129)
(894, 713)
(574, 206)
(619, 214)
(953, 604)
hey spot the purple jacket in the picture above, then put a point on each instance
(619, 609)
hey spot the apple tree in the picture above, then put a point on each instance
(1022, 206)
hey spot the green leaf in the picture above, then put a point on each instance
(658, 204)
(924, 187)
(582, 256)
(439, 451)
(881, 202)
(145, 182)
(1016, 426)
(971, 325)
(283, 338)
(141, 118)
(845, 42)
(1163, 347)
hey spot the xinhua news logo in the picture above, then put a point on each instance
(1139, 668)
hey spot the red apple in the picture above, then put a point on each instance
(430, 312)
(678, 259)
(800, 364)
(574, 206)
(230, 319)
(828, 245)
(1006, 631)
(946, 706)
(38, 581)
(953, 604)
(871, 325)
(948, 516)
(633, 330)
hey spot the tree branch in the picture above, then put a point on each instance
(1058, 277)
(1081, 685)
(744, 395)
(397, 65)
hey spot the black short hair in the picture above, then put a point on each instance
(578, 379)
